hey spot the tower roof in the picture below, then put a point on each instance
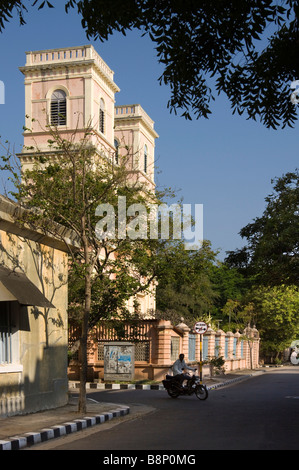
(68, 57)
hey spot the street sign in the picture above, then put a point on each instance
(200, 327)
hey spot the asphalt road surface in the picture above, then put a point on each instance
(261, 413)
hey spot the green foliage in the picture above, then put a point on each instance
(185, 288)
(229, 284)
(277, 320)
(216, 364)
(272, 251)
(200, 45)
(206, 48)
(274, 312)
(8, 6)
(270, 264)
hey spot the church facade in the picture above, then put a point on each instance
(73, 89)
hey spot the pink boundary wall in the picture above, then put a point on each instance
(240, 351)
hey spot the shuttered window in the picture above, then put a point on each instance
(58, 108)
(192, 343)
(235, 347)
(5, 333)
(102, 117)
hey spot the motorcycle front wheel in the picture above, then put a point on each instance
(201, 392)
(173, 392)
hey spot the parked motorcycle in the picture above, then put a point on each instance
(174, 388)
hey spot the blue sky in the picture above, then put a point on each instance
(225, 163)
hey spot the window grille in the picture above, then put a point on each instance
(174, 348)
(58, 108)
(5, 334)
(100, 351)
(73, 351)
(142, 351)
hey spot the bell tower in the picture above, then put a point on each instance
(71, 88)
(135, 129)
(74, 89)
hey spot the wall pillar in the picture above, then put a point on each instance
(164, 330)
(220, 335)
(211, 342)
(184, 331)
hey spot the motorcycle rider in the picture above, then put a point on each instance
(178, 369)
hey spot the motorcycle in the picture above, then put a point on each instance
(174, 387)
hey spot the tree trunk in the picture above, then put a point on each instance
(83, 364)
(83, 343)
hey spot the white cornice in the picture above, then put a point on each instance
(68, 58)
(67, 65)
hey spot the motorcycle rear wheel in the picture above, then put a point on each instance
(173, 392)
(201, 392)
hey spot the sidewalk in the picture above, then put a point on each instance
(17, 432)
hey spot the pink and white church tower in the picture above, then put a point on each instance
(72, 89)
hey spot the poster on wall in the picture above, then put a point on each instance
(119, 361)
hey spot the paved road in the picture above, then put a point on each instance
(261, 413)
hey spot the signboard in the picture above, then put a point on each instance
(119, 361)
(200, 327)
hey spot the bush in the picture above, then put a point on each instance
(216, 365)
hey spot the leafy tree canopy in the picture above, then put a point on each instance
(272, 251)
(229, 283)
(272, 310)
(276, 311)
(247, 49)
(185, 288)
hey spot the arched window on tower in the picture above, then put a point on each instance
(58, 108)
(102, 116)
(145, 159)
